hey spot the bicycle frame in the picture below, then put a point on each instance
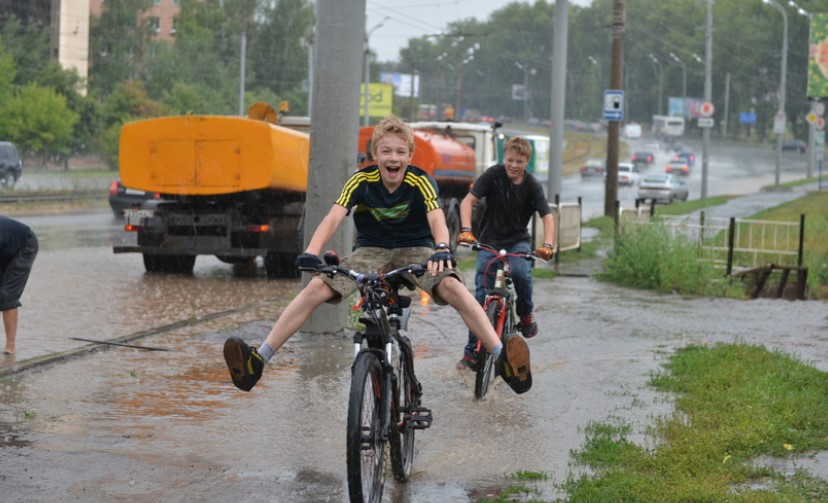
(384, 403)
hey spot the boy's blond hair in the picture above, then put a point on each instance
(392, 125)
(518, 145)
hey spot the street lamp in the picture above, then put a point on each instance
(526, 71)
(683, 81)
(366, 64)
(780, 132)
(660, 82)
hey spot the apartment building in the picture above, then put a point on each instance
(161, 16)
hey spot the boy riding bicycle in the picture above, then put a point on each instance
(398, 219)
(512, 197)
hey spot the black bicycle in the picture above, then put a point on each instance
(384, 404)
(500, 310)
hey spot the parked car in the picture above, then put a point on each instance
(793, 145)
(122, 198)
(628, 174)
(677, 167)
(642, 158)
(593, 167)
(10, 165)
(686, 155)
(662, 188)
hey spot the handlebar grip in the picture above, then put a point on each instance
(331, 258)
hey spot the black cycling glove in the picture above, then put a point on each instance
(308, 261)
(445, 257)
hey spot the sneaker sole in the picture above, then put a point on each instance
(234, 356)
(517, 355)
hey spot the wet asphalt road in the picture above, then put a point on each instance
(121, 424)
(129, 425)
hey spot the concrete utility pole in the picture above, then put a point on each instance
(782, 78)
(611, 184)
(338, 42)
(708, 94)
(558, 100)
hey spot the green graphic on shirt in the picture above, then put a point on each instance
(392, 213)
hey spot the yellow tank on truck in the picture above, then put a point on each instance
(202, 155)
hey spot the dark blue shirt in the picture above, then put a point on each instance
(13, 236)
(391, 220)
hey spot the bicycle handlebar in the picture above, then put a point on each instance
(370, 278)
(502, 254)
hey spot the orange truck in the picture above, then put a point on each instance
(451, 163)
(234, 187)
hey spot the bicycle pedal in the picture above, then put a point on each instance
(418, 418)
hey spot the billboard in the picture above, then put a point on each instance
(380, 99)
(404, 84)
(818, 57)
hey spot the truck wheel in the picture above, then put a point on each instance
(171, 264)
(279, 265)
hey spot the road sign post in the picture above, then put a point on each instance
(613, 105)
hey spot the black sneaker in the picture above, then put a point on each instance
(245, 363)
(528, 327)
(467, 362)
(513, 364)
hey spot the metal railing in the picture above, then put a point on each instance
(732, 243)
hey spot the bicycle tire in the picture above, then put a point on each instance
(365, 446)
(485, 362)
(401, 439)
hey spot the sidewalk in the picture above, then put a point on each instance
(751, 204)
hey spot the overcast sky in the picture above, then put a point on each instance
(414, 18)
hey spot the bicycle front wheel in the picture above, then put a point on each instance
(401, 440)
(485, 362)
(365, 446)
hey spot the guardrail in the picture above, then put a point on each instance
(567, 218)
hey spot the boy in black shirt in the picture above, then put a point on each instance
(512, 197)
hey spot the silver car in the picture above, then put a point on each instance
(662, 188)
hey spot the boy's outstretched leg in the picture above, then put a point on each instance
(245, 363)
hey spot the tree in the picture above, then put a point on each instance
(118, 41)
(38, 121)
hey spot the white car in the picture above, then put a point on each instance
(628, 174)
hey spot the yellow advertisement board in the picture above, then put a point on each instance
(380, 99)
(818, 57)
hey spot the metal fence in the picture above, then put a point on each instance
(735, 244)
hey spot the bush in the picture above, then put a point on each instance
(649, 257)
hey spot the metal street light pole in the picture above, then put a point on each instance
(783, 75)
(683, 82)
(525, 69)
(366, 120)
(708, 94)
(660, 83)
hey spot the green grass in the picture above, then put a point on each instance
(649, 257)
(684, 207)
(734, 402)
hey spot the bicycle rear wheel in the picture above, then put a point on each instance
(485, 362)
(365, 446)
(401, 440)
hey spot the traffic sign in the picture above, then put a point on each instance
(779, 123)
(705, 121)
(613, 105)
(820, 108)
(811, 118)
(707, 109)
(820, 124)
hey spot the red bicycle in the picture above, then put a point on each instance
(500, 309)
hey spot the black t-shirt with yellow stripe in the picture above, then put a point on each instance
(391, 220)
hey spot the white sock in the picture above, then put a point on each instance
(266, 352)
(496, 351)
